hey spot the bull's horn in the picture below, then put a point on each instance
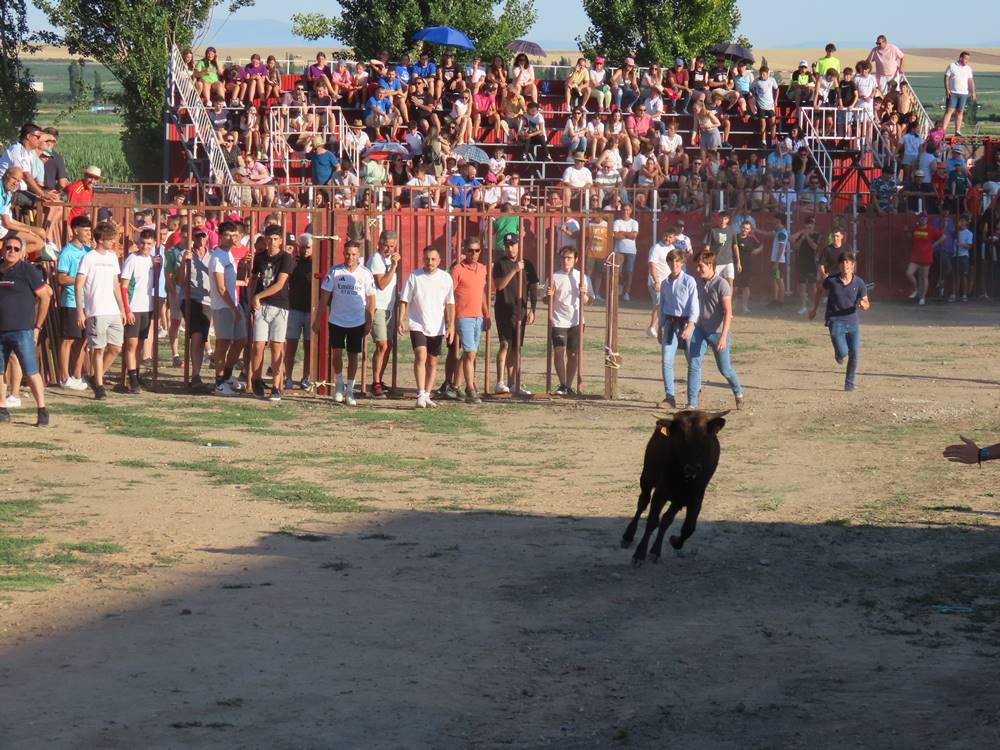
(665, 421)
(716, 415)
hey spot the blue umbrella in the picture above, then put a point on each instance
(443, 35)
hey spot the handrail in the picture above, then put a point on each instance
(814, 142)
(180, 79)
(882, 153)
(924, 120)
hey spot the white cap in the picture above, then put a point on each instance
(803, 63)
(305, 239)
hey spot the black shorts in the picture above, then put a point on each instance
(806, 272)
(351, 339)
(141, 328)
(69, 326)
(765, 114)
(199, 320)
(504, 321)
(432, 343)
(567, 337)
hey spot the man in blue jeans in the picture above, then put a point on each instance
(678, 312)
(24, 303)
(846, 294)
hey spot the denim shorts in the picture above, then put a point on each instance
(22, 345)
(470, 330)
(957, 101)
(628, 262)
(299, 325)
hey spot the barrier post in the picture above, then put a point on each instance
(187, 305)
(157, 304)
(489, 294)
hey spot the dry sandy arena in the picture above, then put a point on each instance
(387, 578)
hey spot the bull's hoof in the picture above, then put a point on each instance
(626, 542)
(636, 562)
(676, 542)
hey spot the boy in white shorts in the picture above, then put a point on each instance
(102, 315)
(227, 316)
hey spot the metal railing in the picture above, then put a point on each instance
(924, 119)
(280, 129)
(181, 82)
(815, 135)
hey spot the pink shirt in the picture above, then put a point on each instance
(341, 78)
(483, 102)
(886, 60)
(639, 125)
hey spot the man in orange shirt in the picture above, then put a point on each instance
(925, 238)
(472, 313)
(81, 192)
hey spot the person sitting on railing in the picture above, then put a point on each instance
(381, 114)
(648, 182)
(355, 141)
(655, 108)
(255, 76)
(208, 71)
(625, 86)
(272, 80)
(577, 179)
(402, 69)
(322, 109)
(218, 115)
(802, 86)
(511, 113)
(419, 194)
(484, 110)
(259, 177)
(741, 78)
(536, 146)
(229, 145)
(574, 136)
(615, 128)
(426, 69)
(319, 72)
(450, 81)
(671, 150)
(652, 81)
(465, 187)
(678, 90)
(699, 81)
(421, 105)
(638, 124)
(577, 85)
(236, 85)
(399, 175)
(522, 79)
(342, 84)
(187, 56)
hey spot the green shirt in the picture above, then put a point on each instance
(825, 63)
(503, 225)
(209, 73)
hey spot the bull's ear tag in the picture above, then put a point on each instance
(664, 431)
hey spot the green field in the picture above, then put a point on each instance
(54, 74)
(930, 88)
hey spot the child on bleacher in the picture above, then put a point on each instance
(497, 165)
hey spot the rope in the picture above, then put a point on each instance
(612, 359)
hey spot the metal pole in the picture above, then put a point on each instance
(581, 259)
(157, 275)
(187, 306)
(549, 303)
(489, 292)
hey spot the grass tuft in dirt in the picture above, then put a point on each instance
(15, 551)
(28, 582)
(11, 511)
(94, 548)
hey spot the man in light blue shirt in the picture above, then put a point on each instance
(678, 308)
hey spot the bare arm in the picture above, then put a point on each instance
(320, 311)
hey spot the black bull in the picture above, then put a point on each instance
(680, 460)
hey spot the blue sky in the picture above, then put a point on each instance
(768, 23)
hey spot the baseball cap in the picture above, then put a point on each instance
(199, 230)
(305, 239)
(803, 63)
(679, 61)
(630, 61)
(598, 59)
(510, 239)
(922, 215)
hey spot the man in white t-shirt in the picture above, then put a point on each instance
(959, 88)
(625, 230)
(427, 310)
(383, 266)
(672, 152)
(577, 178)
(102, 315)
(137, 298)
(658, 269)
(348, 292)
(566, 300)
(228, 317)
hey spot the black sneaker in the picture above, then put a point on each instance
(471, 397)
(258, 388)
(561, 391)
(133, 385)
(4, 414)
(196, 381)
(43, 417)
(99, 393)
(275, 395)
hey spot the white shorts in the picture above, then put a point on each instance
(726, 271)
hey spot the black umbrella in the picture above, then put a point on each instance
(732, 51)
(528, 48)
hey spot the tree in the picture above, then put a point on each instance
(656, 31)
(132, 38)
(369, 26)
(98, 93)
(18, 101)
(75, 74)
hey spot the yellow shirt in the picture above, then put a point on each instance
(824, 63)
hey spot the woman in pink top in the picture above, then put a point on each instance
(484, 106)
(342, 82)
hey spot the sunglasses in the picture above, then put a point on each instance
(473, 250)
(12, 248)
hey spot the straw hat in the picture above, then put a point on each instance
(93, 171)
(357, 124)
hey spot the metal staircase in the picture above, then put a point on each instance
(814, 136)
(180, 88)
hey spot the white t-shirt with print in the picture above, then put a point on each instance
(658, 261)
(384, 298)
(349, 293)
(139, 269)
(566, 298)
(625, 246)
(426, 295)
(221, 261)
(100, 270)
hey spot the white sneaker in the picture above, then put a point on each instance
(952, 298)
(78, 384)
(651, 332)
(922, 301)
(350, 401)
(429, 402)
(746, 310)
(626, 297)
(913, 295)
(522, 391)
(422, 401)
(803, 311)
(224, 389)
(13, 402)
(502, 388)
(233, 383)
(338, 397)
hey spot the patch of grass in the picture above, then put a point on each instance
(740, 348)
(28, 582)
(769, 503)
(129, 421)
(165, 561)
(958, 508)
(61, 558)
(73, 458)
(16, 550)
(798, 341)
(11, 511)
(135, 463)
(32, 445)
(94, 548)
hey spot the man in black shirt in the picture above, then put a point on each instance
(299, 311)
(749, 247)
(268, 295)
(516, 285)
(24, 303)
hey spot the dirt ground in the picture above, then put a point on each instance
(234, 574)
